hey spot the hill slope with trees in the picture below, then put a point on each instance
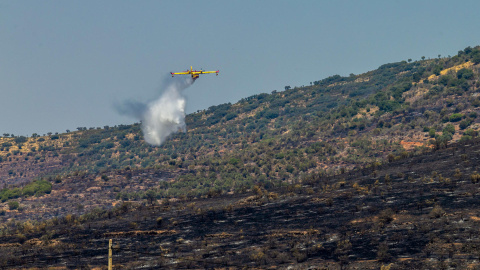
(376, 170)
(328, 127)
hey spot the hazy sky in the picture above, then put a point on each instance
(63, 64)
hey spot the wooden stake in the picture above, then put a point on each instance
(110, 254)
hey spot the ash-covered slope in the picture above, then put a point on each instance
(417, 212)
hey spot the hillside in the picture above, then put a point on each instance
(335, 123)
(314, 139)
(400, 215)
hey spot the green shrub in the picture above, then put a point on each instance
(455, 117)
(6, 194)
(465, 123)
(13, 205)
(37, 188)
(465, 73)
(20, 139)
(471, 132)
(465, 138)
(449, 128)
(234, 161)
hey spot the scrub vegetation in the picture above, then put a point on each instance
(320, 170)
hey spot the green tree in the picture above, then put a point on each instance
(465, 123)
(151, 196)
(476, 56)
(416, 77)
(465, 73)
(471, 132)
(449, 128)
(20, 139)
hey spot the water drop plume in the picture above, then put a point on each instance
(163, 116)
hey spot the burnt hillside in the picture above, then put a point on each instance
(376, 170)
(417, 212)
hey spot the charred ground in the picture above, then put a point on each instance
(417, 212)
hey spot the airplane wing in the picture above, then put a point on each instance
(180, 73)
(202, 72)
(205, 72)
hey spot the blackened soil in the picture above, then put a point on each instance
(419, 212)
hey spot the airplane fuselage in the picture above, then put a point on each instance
(194, 73)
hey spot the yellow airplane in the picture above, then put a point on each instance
(194, 73)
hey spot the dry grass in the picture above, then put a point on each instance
(453, 69)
